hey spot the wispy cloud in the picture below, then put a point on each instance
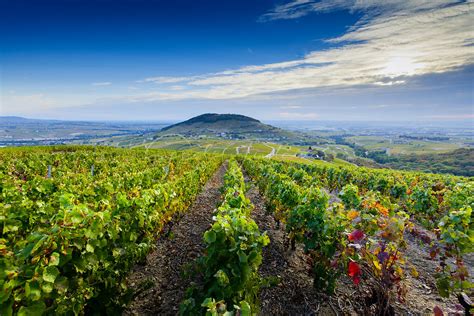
(105, 83)
(389, 83)
(395, 41)
(299, 8)
(290, 107)
(163, 79)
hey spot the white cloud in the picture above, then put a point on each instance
(393, 42)
(389, 83)
(98, 84)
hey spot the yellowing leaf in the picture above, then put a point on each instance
(89, 248)
(54, 259)
(377, 265)
(352, 214)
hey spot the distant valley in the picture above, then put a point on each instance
(386, 146)
(19, 131)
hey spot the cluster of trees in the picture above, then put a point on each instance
(458, 162)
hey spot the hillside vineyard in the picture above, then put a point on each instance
(68, 239)
(74, 221)
(364, 235)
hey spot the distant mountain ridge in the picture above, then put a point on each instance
(15, 119)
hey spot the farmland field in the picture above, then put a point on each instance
(405, 147)
(91, 229)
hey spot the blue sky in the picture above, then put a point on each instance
(288, 60)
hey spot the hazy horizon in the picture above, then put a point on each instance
(293, 60)
(284, 123)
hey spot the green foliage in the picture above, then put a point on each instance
(350, 196)
(456, 234)
(423, 201)
(304, 212)
(457, 162)
(308, 215)
(369, 230)
(233, 255)
(67, 242)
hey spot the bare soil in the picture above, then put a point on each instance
(165, 265)
(422, 294)
(295, 295)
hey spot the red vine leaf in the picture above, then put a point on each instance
(437, 311)
(356, 235)
(354, 272)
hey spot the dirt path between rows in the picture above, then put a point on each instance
(164, 266)
(423, 295)
(294, 295)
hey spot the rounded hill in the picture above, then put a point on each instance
(233, 126)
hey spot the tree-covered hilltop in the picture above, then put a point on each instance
(220, 124)
(233, 126)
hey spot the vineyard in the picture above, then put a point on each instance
(90, 230)
(70, 234)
